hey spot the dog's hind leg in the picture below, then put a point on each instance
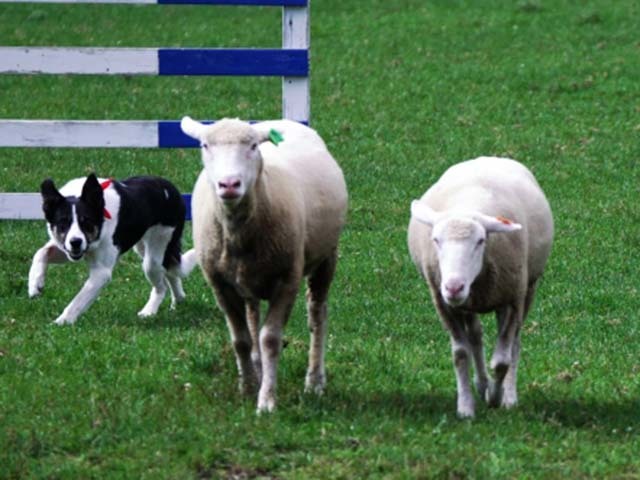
(174, 281)
(155, 244)
(49, 253)
(175, 274)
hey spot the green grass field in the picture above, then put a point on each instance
(401, 89)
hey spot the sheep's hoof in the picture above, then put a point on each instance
(494, 395)
(509, 399)
(248, 387)
(314, 384)
(482, 386)
(466, 413)
(466, 408)
(314, 389)
(266, 405)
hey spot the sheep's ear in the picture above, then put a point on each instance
(421, 212)
(192, 128)
(498, 224)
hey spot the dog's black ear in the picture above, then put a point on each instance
(92, 193)
(51, 198)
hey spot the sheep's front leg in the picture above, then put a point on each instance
(49, 253)
(317, 293)
(461, 352)
(509, 320)
(271, 345)
(234, 308)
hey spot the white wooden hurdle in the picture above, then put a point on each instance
(291, 62)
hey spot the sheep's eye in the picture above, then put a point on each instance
(437, 242)
(254, 146)
(480, 242)
(205, 146)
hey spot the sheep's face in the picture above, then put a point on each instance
(230, 155)
(459, 242)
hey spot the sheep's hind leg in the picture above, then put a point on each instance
(510, 393)
(317, 293)
(253, 322)
(510, 398)
(509, 320)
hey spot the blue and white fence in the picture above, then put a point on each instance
(291, 63)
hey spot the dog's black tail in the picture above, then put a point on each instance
(172, 255)
(173, 259)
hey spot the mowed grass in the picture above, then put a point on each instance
(400, 90)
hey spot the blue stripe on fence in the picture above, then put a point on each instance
(238, 62)
(277, 3)
(170, 135)
(187, 202)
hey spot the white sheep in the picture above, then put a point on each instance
(265, 215)
(480, 237)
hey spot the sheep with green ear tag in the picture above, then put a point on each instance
(480, 237)
(268, 209)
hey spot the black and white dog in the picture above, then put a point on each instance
(102, 219)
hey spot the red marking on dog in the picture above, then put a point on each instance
(106, 184)
(506, 221)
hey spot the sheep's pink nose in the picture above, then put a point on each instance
(454, 287)
(230, 182)
(229, 187)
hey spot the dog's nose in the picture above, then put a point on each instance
(76, 243)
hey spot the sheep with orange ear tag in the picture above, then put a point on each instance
(480, 237)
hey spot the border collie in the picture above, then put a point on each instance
(102, 219)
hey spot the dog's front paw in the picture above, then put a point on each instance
(35, 290)
(64, 320)
(36, 285)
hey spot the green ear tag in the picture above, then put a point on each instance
(275, 137)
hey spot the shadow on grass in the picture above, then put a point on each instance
(192, 314)
(610, 416)
(614, 415)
